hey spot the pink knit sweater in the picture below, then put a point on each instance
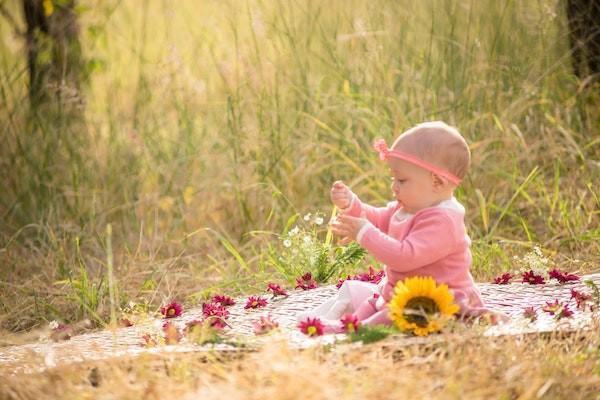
(432, 242)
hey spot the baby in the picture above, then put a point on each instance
(421, 233)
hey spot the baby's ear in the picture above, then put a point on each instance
(438, 182)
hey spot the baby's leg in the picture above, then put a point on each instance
(352, 296)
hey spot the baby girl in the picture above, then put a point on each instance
(421, 233)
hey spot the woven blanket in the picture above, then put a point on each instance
(510, 299)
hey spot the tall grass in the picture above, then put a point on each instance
(207, 121)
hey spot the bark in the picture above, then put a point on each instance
(53, 53)
(584, 26)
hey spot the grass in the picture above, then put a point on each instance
(207, 127)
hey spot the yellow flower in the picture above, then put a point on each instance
(420, 306)
(48, 7)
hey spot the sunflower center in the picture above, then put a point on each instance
(419, 310)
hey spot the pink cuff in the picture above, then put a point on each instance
(362, 231)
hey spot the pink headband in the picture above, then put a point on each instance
(384, 153)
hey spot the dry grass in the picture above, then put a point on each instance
(471, 366)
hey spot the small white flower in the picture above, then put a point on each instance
(287, 242)
(319, 220)
(307, 239)
(295, 230)
(53, 325)
(307, 217)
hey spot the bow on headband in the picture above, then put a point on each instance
(385, 152)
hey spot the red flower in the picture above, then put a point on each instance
(565, 312)
(530, 313)
(562, 277)
(223, 300)
(350, 323)
(580, 297)
(559, 310)
(276, 289)
(255, 302)
(503, 279)
(533, 279)
(172, 310)
(370, 276)
(311, 327)
(172, 334)
(216, 313)
(264, 325)
(306, 282)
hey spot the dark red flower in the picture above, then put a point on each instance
(342, 280)
(172, 310)
(580, 298)
(223, 300)
(369, 276)
(255, 302)
(311, 327)
(562, 277)
(530, 313)
(276, 289)
(306, 282)
(264, 325)
(532, 278)
(350, 323)
(503, 279)
(216, 313)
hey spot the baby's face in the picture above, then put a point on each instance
(412, 186)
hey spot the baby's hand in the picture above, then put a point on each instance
(341, 195)
(348, 227)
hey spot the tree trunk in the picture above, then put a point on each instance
(53, 53)
(584, 27)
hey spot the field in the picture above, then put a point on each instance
(207, 129)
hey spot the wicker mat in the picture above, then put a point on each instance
(510, 299)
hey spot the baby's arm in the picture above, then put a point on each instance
(432, 237)
(349, 204)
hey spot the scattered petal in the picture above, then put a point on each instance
(276, 289)
(264, 325)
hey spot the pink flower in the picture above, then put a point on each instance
(580, 298)
(311, 327)
(533, 279)
(350, 323)
(342, 280)
(503, 279)
(306, 282)
(255, 302)
(223, 300)
(562, 277)
(530, 313)
(276, 289)
(172, 310)
(264, 325)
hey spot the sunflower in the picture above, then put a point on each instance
(420, 306)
